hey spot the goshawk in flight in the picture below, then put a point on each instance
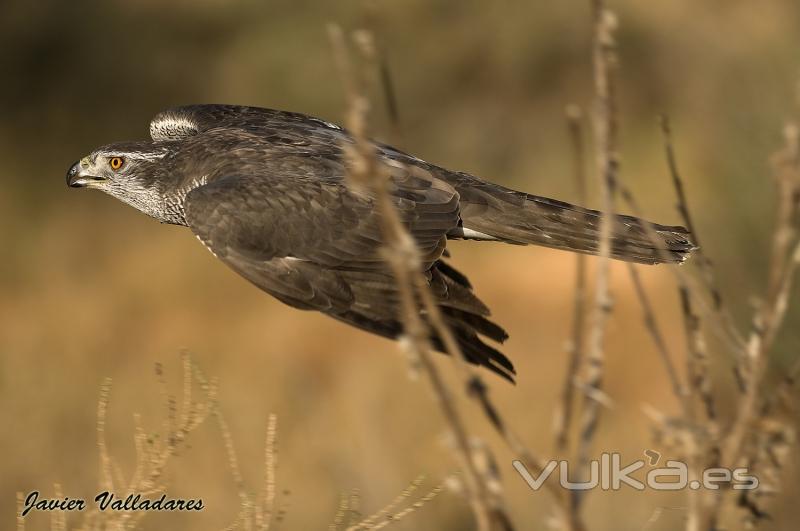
(265, 191)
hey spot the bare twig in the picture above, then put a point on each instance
(20, 508)
(678, 389)
(576, 345)
(605, 131)
(785, 385)
(701, 257)
(391, 506)
(388, 514)
(701, 446)
(688, 434)
(697, 361)
(107, 481)
(264, 510)
(380, 58)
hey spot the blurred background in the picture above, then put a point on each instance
(90, 288)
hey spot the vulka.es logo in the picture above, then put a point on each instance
(608, 473)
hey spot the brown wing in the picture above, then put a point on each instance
(488, 211)
(314, 244)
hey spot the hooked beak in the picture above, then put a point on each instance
(78, 178)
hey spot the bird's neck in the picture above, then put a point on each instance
(172, 210)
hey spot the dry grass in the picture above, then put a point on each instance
(155, 453)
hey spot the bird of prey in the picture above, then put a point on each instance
(265, 191)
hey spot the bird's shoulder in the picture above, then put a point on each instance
(179, 123)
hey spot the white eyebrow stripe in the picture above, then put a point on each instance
(140, 155)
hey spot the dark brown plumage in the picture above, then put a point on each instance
(264, 190)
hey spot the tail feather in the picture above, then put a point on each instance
(491, 212)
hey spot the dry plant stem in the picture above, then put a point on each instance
(379, 57)
(264, 511)
(388, 509)
(697, 449)
(247, 504)
(604, 121)
(678, 389)
(689, 288)
(695, 288)
(408, 510)
(688, 435)
(787, 383)
(190, 418)
(700, 256)
(401, 255)
(20, 508)
(107, 481)
(388, 514)
(58, 520)
(697, 360)
(152, 453)
(341, 511)
(769, 317)
(576, 344)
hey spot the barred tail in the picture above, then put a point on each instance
(491, 212)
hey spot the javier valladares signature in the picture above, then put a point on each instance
(108, 501)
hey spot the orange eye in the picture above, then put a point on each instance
(116, 162)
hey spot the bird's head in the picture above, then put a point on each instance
(124, 165)
(132, 172)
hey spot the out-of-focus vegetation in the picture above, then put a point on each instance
(90, 288)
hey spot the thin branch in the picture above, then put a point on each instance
(605, 130)
(678, 389)
(388, 514)
(107, 482)
(379, 56)
(265, 510)
(697, 360)
(576, 345)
